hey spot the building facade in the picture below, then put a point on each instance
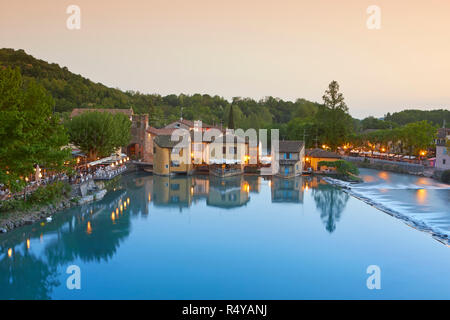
(442, 154)
(314, 156)
(288, 161)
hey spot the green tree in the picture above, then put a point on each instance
(231, 118)
(29, 133)
(335, 124)
(419, 136)
(99, 134)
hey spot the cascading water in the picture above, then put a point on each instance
(421, 202)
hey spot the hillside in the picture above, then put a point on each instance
(71, 91)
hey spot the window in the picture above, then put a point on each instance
(167, 166)
(443, 161)
(175, 187)
(174, 164)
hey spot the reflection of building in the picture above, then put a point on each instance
(314, 156)
(287, 190)
(442, 155)
(175, 191)
(228, 192)
(254, 182)
(201, 187)
(288, 162)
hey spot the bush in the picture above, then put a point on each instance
(50, 193)
(445, 177)
(13, 205)
(342, 167)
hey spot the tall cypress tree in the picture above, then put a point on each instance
(231, 119)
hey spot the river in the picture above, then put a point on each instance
(238, 238)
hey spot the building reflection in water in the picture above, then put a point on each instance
(228, 192)
(287, 190)
(94, 232)
(182, 191)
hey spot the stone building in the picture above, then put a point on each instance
(442, 154)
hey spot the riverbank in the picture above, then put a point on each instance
(27, 214)
(16, 219)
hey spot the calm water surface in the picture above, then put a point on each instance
(239, 238)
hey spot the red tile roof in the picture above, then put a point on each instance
(320, 153)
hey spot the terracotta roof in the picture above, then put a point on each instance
(78, 111)
(290, 146)
(320, 153)
(190, 124)
(160, 131)
(165, 141)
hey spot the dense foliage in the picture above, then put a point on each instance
(43, 195)
(327, 123)
(342, 167)
(99, 134)
(436, 117)
(29, 133)
(413, 138)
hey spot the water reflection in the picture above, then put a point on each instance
(84, 233)
(288, 190)
(34, 258)
(331, 203)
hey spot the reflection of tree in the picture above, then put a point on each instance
(26, 277)
(331, 202)
(29, 276)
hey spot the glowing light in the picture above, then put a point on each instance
(128, 200)
(10, 252)
(422, 153)
(113, 216)
(125, 205)
(117, 211)
(307, 159)
(121, 207)
(42, 224)
(270, 183)
(383, 149)
(421, 196)
(324, 146)
(28, 243)
(306, 188)
(89, 228)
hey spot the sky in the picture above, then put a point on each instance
(247, 48)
